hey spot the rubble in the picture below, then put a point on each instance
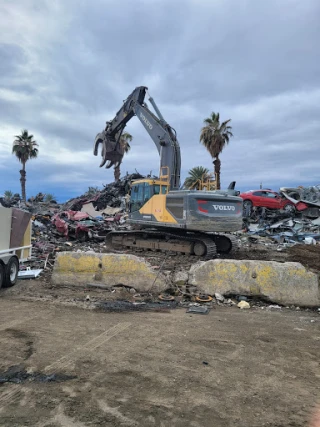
(219, 297)
(289, 230)
(302, 225)
(307, 195)
(82, 224)
(113, 195)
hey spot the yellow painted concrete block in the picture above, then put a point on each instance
(284, 283)
(73, 268)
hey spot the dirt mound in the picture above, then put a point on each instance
(308, 255)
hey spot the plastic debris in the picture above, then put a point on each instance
(198, 309)
(219, 297)
(29, 274)
(243, 305)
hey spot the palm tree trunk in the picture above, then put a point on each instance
(217, 169)
(23, 182)
(117, 173)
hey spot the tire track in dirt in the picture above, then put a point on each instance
(114, 411)
(14, 323)
(15, 392)
(96, 342)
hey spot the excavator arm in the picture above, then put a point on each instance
(162, 134)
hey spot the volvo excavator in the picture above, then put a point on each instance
(163, 216)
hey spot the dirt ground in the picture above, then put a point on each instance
(66, 363)
(77, 367)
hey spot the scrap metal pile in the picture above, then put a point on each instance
(80, 224)
(301, 225)
(88, 217)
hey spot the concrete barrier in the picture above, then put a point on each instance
(283, 283)
(73, 268)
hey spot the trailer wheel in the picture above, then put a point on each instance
(1, 275)
(11, 272)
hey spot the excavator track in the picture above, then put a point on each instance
(225, 243)
(200, 244)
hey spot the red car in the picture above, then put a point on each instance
(267, 199)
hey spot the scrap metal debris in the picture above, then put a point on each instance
(198, 309)
(29, 274)
(308, 195)
(300, 226)
(82, 225)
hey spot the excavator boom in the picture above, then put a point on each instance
(162, 134)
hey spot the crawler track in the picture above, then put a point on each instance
(225, 243)
(202, 245)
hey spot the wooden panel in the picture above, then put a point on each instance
(5, 227)
(24, 254)
(20, 222)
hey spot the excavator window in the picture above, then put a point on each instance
(156, 189)
(142, 192)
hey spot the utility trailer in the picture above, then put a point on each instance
(15, 243)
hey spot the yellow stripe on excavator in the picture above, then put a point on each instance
(156, 206)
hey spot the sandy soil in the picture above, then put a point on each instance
(85, 367)
(63, 362)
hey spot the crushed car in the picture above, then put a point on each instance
(268, 199)
(78, 225)
(309, 197)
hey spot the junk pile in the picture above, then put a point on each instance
(301, 225)
(309, 196)
(10, 202)
(80, 224)
(112, 196)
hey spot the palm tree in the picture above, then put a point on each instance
(215, 136)
(25, 148)
(48, 198)
(92, 191)
(125, 148)
(196, 174)
(8, 195)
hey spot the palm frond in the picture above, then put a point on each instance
(214, 136)
(25, 147)
(195, 175)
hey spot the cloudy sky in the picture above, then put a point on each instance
(66, 67)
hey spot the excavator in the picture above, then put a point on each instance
(163, 216)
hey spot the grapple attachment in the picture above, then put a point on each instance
(111, 151)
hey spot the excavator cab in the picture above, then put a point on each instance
(143, 190)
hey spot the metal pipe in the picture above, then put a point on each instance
(8, 251)
(156, 109)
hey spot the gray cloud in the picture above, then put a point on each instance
(66, 67)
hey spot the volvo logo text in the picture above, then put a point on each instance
(146, 121)
(224, 208)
